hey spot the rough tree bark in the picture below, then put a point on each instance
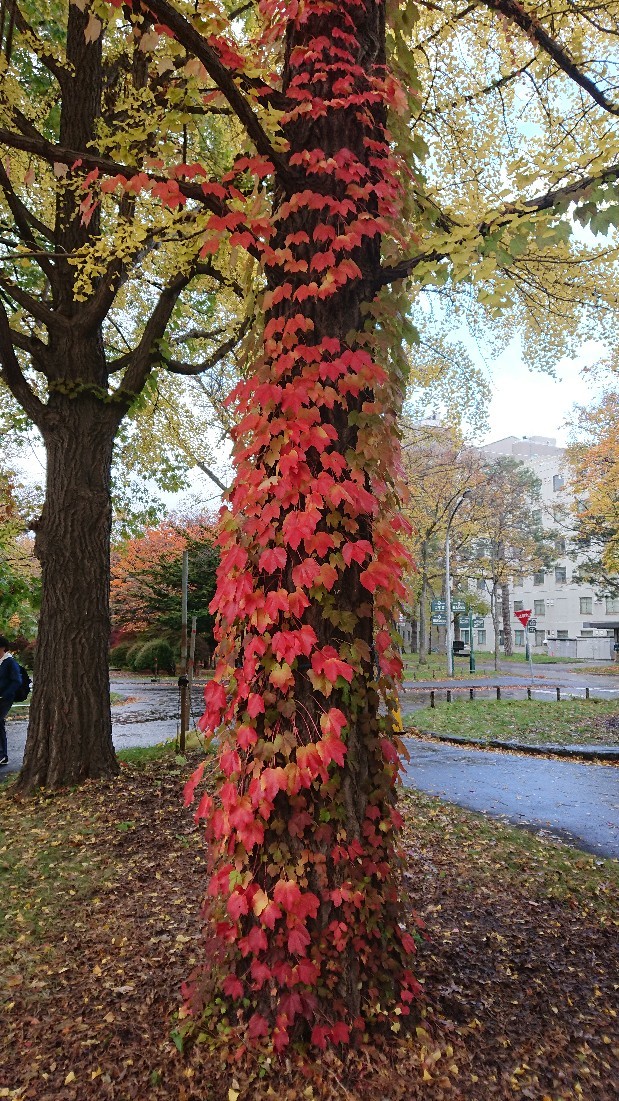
(506, 615)
(70, 730)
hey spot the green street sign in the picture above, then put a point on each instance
(439, 620)
(479, 624)
(438, 606)
(458, 606)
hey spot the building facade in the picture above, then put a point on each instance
(570, 618)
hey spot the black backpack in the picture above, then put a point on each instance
(24, 690)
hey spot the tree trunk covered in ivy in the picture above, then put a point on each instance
(304, 874)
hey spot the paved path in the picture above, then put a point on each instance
(149, 715)
(578, 802)
(513, 679)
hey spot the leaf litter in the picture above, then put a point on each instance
(100, 896)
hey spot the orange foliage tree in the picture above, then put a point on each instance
(146, 579)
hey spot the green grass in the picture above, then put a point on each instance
(44, 865)
(141, 755)
(480, 852)
(534, 722)
(538, 659)
(435, 668)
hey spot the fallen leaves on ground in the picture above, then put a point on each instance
(100, 895)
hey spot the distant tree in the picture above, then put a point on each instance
(513, 542)
(19, 573)
(438, 468)
(594, 461)
(147, 580)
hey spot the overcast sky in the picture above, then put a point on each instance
(528, 403)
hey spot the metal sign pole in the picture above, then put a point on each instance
(448, 635)
(471, 644)
(183, 681)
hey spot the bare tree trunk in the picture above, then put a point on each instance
(70, 730)
(423, 611)
(507, 627)
(494, 609)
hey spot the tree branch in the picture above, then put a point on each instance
(11, 373)
(515, 12)
(23, 222)
(24, 219)
(179, 368)
(59, 154)
(570, 193)
(45, 57)
(140, 361)
(32, 345)
(194, 42)
(49, 318)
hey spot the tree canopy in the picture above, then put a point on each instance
(594, 459)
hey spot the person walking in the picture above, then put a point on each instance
(10, 683)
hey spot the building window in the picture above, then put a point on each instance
(539, 637)
(501, 638)
(519, 638)
(539, 607)
(560, 574)
(612, 605)
(518, 605)
(538, 578)
(517, 582)
(481, 638)
(563, 634)
(586, 605)
(558, 482)
(560, 545)
(481, 584)
(586, 634)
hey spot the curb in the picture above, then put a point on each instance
(579, 752)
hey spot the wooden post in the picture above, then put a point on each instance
(449, 695)
(471, 693)
(587, 690)
(498, 692)
(529, 692)
(192, 651)
(183, 679)
(432, 701)
(558, 694)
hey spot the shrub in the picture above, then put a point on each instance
(132, 654)
(118, 655)
(156, 654)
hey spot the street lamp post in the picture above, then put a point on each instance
(450, 656)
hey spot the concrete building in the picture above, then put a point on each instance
(570, 619)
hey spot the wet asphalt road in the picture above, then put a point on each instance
(575, 801)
